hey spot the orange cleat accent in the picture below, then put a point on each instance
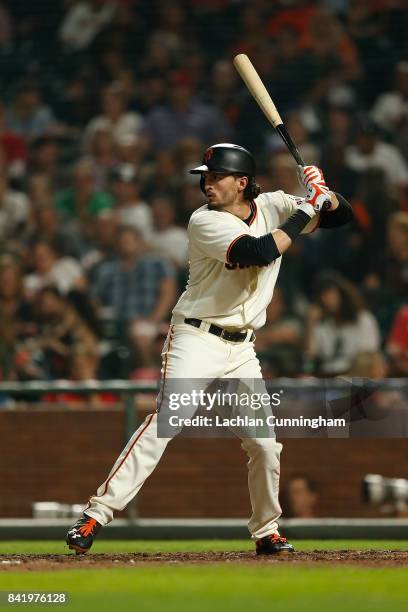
(88, 527)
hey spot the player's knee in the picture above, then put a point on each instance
(266, 449)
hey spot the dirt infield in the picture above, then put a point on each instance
(366, 558)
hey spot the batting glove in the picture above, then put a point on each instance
(308, 208)
(310, 174)
(318, 195)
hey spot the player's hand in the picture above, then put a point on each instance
(310, 174)
(318, 195)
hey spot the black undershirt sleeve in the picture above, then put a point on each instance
(251, 251)
(261, 251)
(342, 215)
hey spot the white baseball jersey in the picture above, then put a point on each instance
(231, 295)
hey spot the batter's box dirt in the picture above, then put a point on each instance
(368, 558)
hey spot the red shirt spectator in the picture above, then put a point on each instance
(13, 147)
(397, 344)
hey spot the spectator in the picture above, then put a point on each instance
(102, 248)
(139, 288)
(186, 154)
(28, 116)
(40, 191)
(337, 172)
(49, 269)
(159, 59)
(184, 117)
(132, 211)
(84, 21)
(284, 175)
(390, 110)
(163, 176)
(397, 343)
(115, 69)
(13, 306)
(251, 28)
(16, 322)
(115, 117)
(338, 124)
(294, 15)
(386, 284)
(370, 152)
(45, 161)
(82, 367)
(294, 72)
(62, 333)
(338, 327)
(279, 341)
(129, 149)
(333, 54)
(373, 207)
(301, 497)
(168, 240)
(152, 91)
(82, 201)
(79, 98)
(191, 198)
(13, 147)
(14, 209)
(336, 135)
(372, 411)
(222, 92)
(48, 228)
(172, 26)
(368, 27)
(368, 364)
(101, 155)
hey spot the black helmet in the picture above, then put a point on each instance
(228, 158)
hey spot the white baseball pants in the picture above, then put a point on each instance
(191, 353)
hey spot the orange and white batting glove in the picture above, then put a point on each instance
(310, 174)
(317, 191)
(318, 195)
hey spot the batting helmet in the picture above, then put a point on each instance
(228, 158)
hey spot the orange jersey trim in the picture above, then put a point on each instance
(254, 211)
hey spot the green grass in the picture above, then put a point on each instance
(126, 546)
(216, 588)
(221, 588)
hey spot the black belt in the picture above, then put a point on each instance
(222, 333)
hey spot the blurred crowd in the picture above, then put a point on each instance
(106, 104)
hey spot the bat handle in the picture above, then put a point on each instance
(289, 142)
(287, 139)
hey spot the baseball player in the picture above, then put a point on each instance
(236, 242)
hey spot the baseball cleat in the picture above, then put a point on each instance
(273, 544)
(81, 535)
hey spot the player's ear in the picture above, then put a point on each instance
(242, 183)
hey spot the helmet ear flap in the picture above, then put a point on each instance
(202, 183)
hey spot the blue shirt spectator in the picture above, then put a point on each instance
(185, 117)
(136, 285)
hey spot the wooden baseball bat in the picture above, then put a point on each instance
(254, 83)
